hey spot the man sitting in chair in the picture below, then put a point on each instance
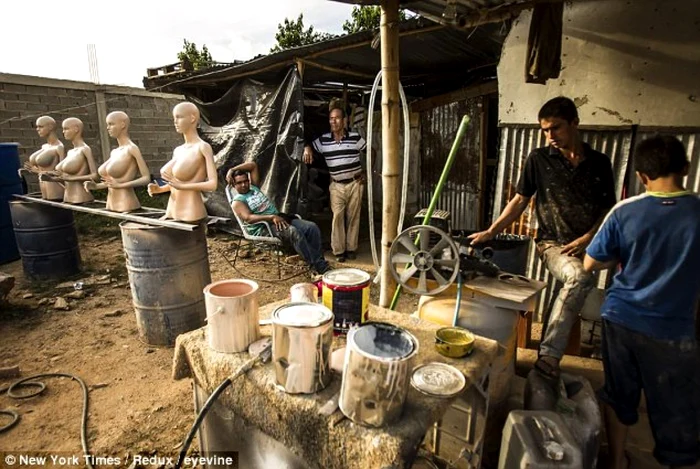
(252, 206)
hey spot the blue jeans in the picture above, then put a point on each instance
(577, 284)
(305, 237)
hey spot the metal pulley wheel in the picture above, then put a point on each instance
(411, 254)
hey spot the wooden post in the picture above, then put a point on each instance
(389, 28)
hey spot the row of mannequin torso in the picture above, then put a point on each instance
(71, 176)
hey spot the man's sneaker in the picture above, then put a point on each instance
(351, 255)
(340, 257)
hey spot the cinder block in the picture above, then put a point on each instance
(15, 88)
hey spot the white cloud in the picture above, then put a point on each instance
(50, 39)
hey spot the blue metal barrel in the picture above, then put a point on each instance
(168, 270)
(46, 239)
(10, 183)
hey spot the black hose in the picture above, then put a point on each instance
(200, 418)
(83, 428)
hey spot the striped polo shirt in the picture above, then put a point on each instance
(343, 157)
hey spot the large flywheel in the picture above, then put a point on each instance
(424, 260)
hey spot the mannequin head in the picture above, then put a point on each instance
(185, 117)
(117, 123)
(45, 125)
(72, 128)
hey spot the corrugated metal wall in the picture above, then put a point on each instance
(461, 196)
(518, 141)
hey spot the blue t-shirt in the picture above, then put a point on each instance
(259, 204)
(656, 238)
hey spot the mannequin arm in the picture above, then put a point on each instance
(94, 186)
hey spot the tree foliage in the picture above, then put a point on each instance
(363, 18)
(294, 34)
(198, 59)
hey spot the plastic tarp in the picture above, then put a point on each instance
(263, 123)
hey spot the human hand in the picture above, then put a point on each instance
(279, 222)
(480, 237)
(577, 247)
(308, 155)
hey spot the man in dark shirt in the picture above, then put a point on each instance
(575, 190)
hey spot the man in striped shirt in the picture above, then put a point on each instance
(341, 149)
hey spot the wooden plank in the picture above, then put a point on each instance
(516, 290)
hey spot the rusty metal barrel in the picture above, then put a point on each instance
(168, 270)
(46, 239)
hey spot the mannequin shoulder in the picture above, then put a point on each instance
(204, 148)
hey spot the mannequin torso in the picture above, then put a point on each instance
(46, 158)
(190, 172)
(78, 166)
(124, 170)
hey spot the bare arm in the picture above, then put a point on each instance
(590, 264)
(243, 211)
(250, 167)
(513, 210)
(576, 247)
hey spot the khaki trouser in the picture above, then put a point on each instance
(346, 201)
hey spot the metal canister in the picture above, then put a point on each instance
(346, 293)
(302, 335)
(305, 292)
(376, 373)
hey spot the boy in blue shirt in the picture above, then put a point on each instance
(648, 339)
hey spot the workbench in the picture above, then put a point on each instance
(270, 421)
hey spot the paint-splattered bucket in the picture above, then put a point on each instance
(376, 373)
(346, 293)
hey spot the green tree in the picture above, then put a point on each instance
(294, 34)
(364, 18)
(198, 59)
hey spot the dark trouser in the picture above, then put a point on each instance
(305, 237)
(668, 371)
(577, 284)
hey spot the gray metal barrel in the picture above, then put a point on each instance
(168, 270)
(46, 240)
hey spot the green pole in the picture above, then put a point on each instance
(438, 189)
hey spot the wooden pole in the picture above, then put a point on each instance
(389, 28)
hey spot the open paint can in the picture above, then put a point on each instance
(376, 373)
(346, 293)
(302, 335)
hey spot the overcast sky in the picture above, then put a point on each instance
(50, 39)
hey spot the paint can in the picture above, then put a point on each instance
(302, 335)
(346, 293)
(232, 315)
(376, 373)
(303, 292)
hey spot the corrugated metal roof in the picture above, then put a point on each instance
(433, 57)
(456, 12)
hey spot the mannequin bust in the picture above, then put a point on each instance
(124, 170)
(77, 167)
(46, 158)
(190, 172)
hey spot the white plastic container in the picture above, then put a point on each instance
(538, 440)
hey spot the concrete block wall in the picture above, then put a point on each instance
(24, 98)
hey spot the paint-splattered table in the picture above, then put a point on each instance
(270, 428)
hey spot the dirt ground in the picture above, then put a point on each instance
(134, 405)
